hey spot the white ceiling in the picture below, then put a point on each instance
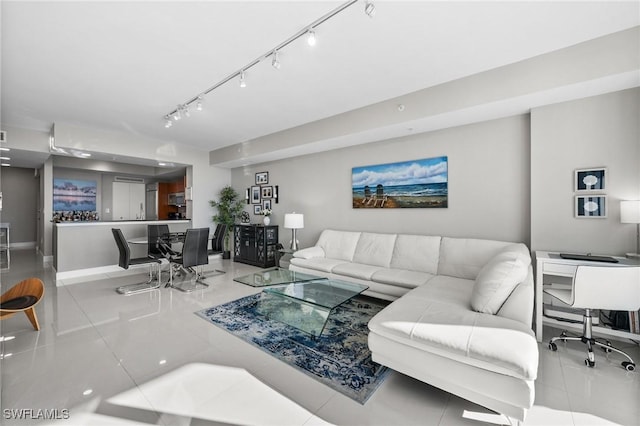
(124, 65)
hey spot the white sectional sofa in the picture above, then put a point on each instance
(461, 314)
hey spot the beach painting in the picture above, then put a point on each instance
(74, 194)
(408, 184)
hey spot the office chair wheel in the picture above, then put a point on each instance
(589, 363)
(629, 366)
(607, 350)
(553, 346)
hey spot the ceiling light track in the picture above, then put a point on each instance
(270, 54)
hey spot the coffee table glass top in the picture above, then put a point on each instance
(275, 276)
(324, 293)
(307, 305)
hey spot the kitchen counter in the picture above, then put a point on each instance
(87, 248)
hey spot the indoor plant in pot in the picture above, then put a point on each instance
(229, 207)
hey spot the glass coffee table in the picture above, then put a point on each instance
(275, 276)
(307, 305)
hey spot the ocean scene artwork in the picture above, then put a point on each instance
(74, 195)
(408, 184)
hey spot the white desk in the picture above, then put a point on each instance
(549, 263)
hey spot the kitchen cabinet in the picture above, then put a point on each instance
(128, 201)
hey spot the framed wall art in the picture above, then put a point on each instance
(262, 178)
(267, 192)
(593, 179)
(591, 206)
(257, 209)
(255, 195)
(266, 204)
(408, 184)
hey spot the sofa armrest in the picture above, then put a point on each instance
(308, 253)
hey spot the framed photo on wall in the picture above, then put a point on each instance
(266, 204)
(593, 179)
(591, 206)
(262, 178)
(257, 209)
(255, 195)
(267, 192)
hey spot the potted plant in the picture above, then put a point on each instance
(229, 207)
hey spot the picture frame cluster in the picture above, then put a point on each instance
(261, 194)
(590, 200)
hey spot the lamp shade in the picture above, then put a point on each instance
(294, 220)
(630, 211)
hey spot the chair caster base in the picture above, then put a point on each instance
(629, 366)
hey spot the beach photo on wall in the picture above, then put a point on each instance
(408, 184)
(74, 194)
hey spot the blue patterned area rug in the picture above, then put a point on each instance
(339, 358)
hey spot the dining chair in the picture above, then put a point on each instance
(23, 297)
(193, 256)
(599, 287)
(125, 261)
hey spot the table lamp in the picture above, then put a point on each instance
(293, 221)
(630, 213)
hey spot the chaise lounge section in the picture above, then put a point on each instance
(461, 314)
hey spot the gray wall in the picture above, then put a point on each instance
(20, 193)
(488, 185)
(601, 131)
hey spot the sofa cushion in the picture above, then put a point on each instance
(317, 263)
(416, 253)
(356, 270)
(401, 277)
(497, 279)
(465, 257)
(338, 244)
(374, 249)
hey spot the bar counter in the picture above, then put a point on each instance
(87, 248)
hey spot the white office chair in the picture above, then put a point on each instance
(600, 287)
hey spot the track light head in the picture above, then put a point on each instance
(275, 60)
(199, 104)
(369, 9)
(167, 122)
(185, 111)
(311, 38)
(243, 83)
(177, 115)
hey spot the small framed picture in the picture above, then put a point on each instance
(266, 204)
(262, 178)
(255, 195)
(593, 179)
(267, 192)
(257, 209)
(594, 206)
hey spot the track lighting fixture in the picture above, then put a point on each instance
(275, 60)
(177, 115)
(311, 38)
(308, 31)
(369, 9)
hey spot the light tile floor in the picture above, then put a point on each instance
(113, 359)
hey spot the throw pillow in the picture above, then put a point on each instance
(497, 279)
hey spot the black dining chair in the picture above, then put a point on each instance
(154, 234)
(193, 256)
(125, 260)
(217, 242)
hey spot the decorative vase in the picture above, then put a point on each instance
(266, 220)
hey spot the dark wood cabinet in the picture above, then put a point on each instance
(255, 244)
